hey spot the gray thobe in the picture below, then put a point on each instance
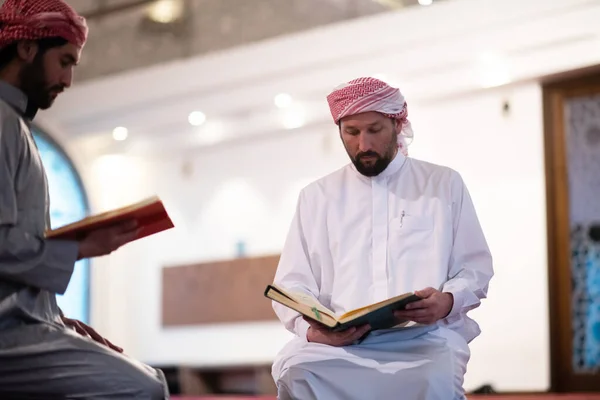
(39, 356)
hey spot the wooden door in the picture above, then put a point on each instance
(572, 144)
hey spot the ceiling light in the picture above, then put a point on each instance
(425, 2)
(165, 11)
(196, 118)
(293, 119)
(120, 133)
(283, 100)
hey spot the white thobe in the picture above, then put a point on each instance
(356, 240)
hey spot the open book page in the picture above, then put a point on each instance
(312, 302)
(311, 312)
(124, 209)
(307, 302)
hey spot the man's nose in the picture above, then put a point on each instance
(67, 79)
(364, 142)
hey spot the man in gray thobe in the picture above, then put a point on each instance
(42, 353)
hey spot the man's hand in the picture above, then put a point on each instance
(318, 333)
(104, 241)
(88, 331)
(434, 306)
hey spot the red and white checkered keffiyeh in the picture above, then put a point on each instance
(39, 19)
(370, 94)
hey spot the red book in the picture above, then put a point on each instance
(150, 214)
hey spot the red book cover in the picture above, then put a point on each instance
(150, 214)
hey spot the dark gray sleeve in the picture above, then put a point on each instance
(25, 258)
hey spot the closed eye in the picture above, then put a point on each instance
(68, 61)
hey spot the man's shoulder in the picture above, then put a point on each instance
(438, 172)
(7, 111)
(9, 118)
(10, 124)
(330, 180)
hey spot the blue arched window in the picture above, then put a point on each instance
(68, 203)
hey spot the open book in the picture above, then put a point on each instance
(150, 215)
(379, 315)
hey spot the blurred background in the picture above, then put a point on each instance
(218, 107)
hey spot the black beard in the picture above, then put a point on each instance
(373, 169)
(34, 84)
(381, 162)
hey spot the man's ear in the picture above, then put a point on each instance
(27, 50)
(397, 124)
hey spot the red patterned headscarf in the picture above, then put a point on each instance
(39, 19)
(370, 94)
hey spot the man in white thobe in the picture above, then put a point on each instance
(381, 226)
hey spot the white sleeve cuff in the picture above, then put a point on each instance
(457, 306)
(301, 328)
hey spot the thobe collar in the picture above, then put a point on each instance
(17, 100)
(390, 170)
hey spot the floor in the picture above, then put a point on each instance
(537, 397)
(472, 397)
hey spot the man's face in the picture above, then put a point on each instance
(49, 73)
(371, 141)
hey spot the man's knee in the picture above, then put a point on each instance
(152, 387)
(295, 383)
(134, 380)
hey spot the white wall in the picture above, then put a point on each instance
(501, 159)
(249, 191)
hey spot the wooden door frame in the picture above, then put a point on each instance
(555, 92)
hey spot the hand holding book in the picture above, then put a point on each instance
(318, 333)
(104, 233)
(378, 316)
(435, 305)
(103, 241)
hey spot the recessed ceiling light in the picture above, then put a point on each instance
(283, 100)
(196, 118)
(165, 11)
(294, 118)
(120, 133)
(425, 2)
